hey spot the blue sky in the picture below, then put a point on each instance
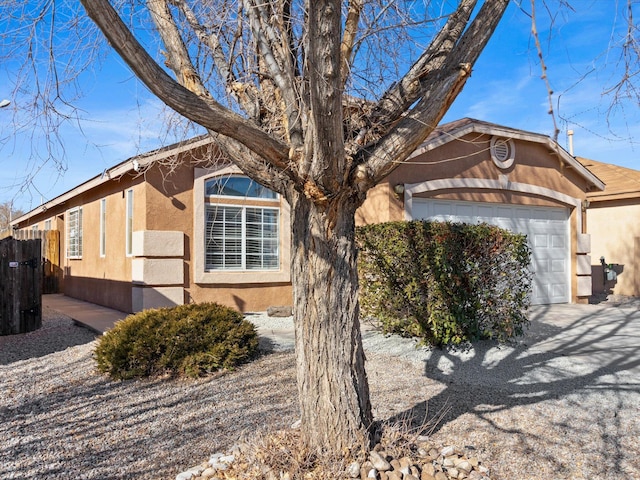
(122, 119)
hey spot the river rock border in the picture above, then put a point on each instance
(422, 462)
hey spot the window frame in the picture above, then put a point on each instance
(129, 222)
(245, 197)
(103, 227)
(202, 276)
(244, 238)
(76, 211)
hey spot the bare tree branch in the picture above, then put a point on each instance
(349, 37)
(438, 88)
(543, 68)
(404, 93)
(325, 85)
(206, 112)
(177, 55)
(274, 50)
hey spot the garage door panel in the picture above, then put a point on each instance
(541, 267)
(539, 295)
(558, 266)
(558, 241)
(485, 211)
(440, 208)
(547, 231)
(464, 211)
(558, 216)
(559, 292)
(540, 241)
(502, 212)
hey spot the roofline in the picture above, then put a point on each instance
(604, 197)
(476, 126)
(131, 164)
(471, 126)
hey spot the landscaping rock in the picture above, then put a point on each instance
(353, 470)
(280, 311)
(379, 462)
(381, 465)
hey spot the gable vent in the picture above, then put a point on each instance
(503, 152)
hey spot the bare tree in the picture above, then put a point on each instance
(7, 213)
(297, 125)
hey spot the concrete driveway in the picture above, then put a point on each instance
(563, 341)
(592, 351)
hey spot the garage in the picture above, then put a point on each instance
(547, 230)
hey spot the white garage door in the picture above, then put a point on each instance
(547, 231)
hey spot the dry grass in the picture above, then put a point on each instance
(282, 454)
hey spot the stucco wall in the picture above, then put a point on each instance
(615, 235)
(105, 280)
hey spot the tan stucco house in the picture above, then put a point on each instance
(613, 221)
(174, 226)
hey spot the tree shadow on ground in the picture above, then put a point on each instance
(77, 423)
(569, 350)
(55, 335)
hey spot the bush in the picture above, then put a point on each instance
(187, 340)
(446, 283)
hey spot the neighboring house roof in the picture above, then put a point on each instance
(621, 183)
(137, 163)
(453, 130)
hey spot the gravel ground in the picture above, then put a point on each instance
(563, 403)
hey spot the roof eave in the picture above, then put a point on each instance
(135, 164)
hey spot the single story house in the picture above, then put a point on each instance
(179, 225)
(612, 222)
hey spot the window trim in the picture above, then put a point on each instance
(103, 227)
(78, 211)
(128, 241)
(200, 200)
(232, 198)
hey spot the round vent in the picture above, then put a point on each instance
(503, 152)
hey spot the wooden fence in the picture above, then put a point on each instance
(20, 286)
(51, 268)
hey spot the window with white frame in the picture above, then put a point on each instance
(243, 235)
(129, 223)
(74, 233)
(103, 227)
(34, 227)
(47, 224)
(239, 187)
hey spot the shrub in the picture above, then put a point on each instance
(447, 283)
(187, 340)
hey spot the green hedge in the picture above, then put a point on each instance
(446, 283)
(187, 340)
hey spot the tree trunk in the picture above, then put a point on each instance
(332, 382)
